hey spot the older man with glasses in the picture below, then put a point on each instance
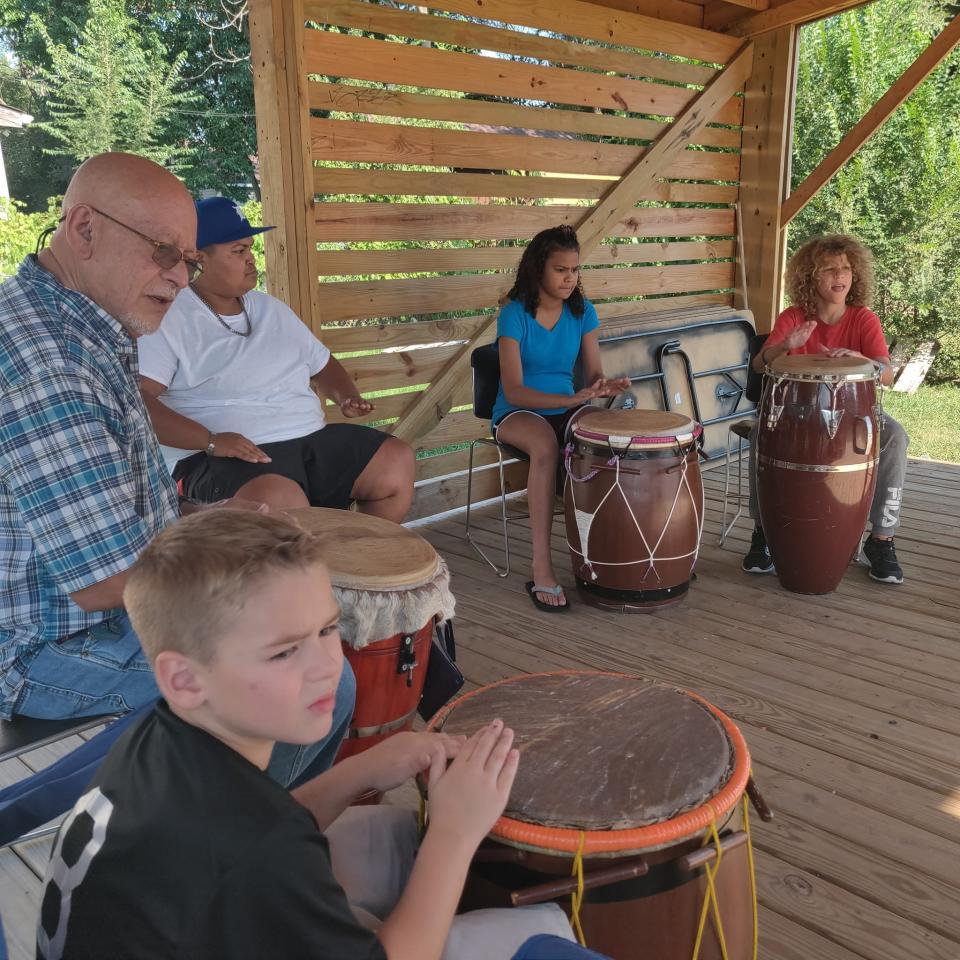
(83, 487)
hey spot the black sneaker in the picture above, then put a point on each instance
(758, 559)
(883, 560)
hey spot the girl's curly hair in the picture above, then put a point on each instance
(804, 266)
(526, 288)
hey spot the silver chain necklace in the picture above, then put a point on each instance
(223, 323)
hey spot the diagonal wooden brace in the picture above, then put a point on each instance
(434, 403)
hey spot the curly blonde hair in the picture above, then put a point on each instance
(805, 264)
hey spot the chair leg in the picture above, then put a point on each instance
(505, 572)
(725, 527)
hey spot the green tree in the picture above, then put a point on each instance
(901, 192)
(111, 89)
(210, 42)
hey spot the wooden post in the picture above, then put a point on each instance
(286, 171)
(434, 403)
(765, 170)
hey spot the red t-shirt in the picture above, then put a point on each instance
(858, 329)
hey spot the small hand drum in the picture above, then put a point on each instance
(638, 785)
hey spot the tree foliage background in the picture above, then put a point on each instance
(179, 81)
(901, 193)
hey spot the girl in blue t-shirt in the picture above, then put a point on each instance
(545, 325)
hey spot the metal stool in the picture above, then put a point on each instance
(741, 430)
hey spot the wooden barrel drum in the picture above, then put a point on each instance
(818, 441)
(633, 503)
(392, 588)
(644, 780)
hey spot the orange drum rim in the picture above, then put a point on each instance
(685, 826)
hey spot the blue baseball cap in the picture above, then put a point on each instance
(220, 220)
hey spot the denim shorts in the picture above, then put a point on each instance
(103, 670)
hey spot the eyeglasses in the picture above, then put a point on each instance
(836, 271)
(165, 255)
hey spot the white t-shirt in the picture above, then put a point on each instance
(258, 385)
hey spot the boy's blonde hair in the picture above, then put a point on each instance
(804, 265)
(189, 586)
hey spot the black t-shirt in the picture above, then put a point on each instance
(183, 849)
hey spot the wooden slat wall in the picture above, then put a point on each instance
(440, 143)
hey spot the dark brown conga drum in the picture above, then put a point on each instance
(626, 793)
(392, 588)
(633, 502)
(817, 450)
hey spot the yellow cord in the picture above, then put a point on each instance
(753, 874)
(576, 898)
(710, 896)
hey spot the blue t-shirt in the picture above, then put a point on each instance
(546, 356)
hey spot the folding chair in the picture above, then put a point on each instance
(741, 429)
(485, 366)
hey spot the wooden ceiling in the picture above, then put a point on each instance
(743, 18)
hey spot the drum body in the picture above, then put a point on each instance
(817, 450)
(632, 773)
(633, 504)
(392, 588)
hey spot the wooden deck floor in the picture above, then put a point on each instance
(849, 704)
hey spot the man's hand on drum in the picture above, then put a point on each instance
(799, 336)
(352, 407)
(238, 446)
(394, 761)
(468, 796)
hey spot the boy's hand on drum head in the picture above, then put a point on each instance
(467, 797)
(799, 336)
(395, 760)
(842, 352)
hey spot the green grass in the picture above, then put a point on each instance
(931, 417)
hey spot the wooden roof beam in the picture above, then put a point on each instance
(792, 13)
(433, 404)
(878, 114)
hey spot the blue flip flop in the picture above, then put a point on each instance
(533, 590)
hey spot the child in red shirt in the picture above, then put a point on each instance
(830, 281)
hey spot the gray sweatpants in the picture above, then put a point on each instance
(372, 850)
(891, 473)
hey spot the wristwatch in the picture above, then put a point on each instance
(211, 444)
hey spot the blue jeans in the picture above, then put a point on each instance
(103, 670)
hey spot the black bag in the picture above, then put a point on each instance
(443, 678)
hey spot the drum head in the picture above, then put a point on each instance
(368, 553)
(602, 751)
(621, 428)
(818, 366)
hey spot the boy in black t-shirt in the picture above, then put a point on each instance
(183, 846)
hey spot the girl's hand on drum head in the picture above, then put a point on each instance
(467, 797)
(395, 760)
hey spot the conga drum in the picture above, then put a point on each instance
(627, 810)
(633, 503)
(818, 440)
(393, 588)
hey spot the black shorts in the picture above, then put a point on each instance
(325, 465)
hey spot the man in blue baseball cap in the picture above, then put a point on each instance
(235, 384)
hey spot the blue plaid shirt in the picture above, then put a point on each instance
(82, 485)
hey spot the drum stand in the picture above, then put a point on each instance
(741, 430)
